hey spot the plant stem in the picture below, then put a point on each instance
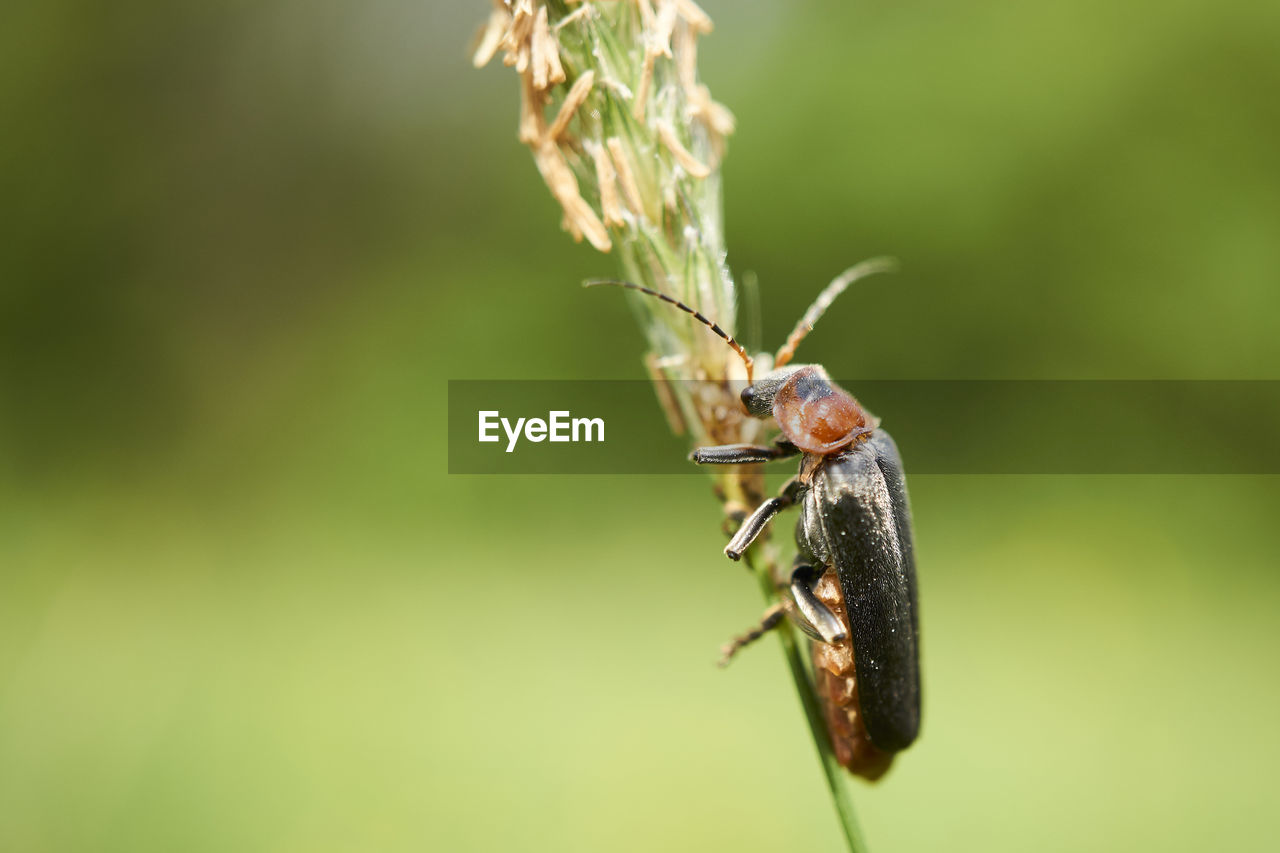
(837, 777)
(629, 142)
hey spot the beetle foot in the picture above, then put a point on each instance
(772, 617)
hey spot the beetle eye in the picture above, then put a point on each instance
(758, 400)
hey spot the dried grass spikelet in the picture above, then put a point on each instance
(579, 218)
(545, 53)
(517, 42)
(699, 20)
(701, 107)
(682, 155)
(576, 97)
(533, 123)
(626, 176)
(491, 36)
(607, 181)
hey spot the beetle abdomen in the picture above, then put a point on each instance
(855, 520)
(837, 684)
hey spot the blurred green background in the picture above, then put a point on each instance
(243, 607)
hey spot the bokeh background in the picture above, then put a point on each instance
(243, 607)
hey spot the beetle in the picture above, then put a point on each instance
(852, 587)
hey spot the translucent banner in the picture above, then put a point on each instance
(940, 426)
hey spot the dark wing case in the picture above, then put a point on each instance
(856, 517)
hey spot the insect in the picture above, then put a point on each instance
(852, 587)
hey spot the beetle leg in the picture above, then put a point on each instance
(742, 454)
(772, 617)
(818, 621)
(756, 522)
(809, 614)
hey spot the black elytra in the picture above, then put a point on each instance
(855, 517)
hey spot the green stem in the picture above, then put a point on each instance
(837, 776)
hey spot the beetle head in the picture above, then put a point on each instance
(814, 413)
(758, 397)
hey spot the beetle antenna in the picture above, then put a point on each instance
(824, 300)
(697, 315)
